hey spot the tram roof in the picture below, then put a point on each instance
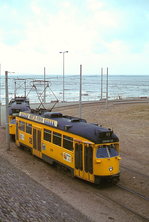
(80, 127)
(18, 104)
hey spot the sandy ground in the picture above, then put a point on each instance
(131, 123)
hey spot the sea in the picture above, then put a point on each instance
(93, 89)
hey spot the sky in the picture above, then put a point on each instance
(96, 33)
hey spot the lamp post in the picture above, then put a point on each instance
(7, 111)
(63, 52)
(0, 96)
(7, 114)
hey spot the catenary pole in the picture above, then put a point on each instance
(15, 88)
(80, 100)
(25, 88)
(107, 88)
(101, 82)
(44, 84)
(7, 114)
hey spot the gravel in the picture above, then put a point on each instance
(23, 199)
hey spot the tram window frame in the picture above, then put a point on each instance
(28, 128)
(22, 126)
(67, 142)
(47, 135)
(57, 138)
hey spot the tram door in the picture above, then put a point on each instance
(88, 162)
(79, 160)
(16, 136)
(84, 161)
(37, 142)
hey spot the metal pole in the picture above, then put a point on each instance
(7, 114)
(63, 74)
(80, 100)
(15, 88)
(0, 97)
(44, 84)
(25, 88)
(101, 82)
(107, 90)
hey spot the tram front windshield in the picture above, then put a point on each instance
(105, 151)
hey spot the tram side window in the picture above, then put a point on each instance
(28, 128)
(22, 126)
(47, 135)
(57, 138)
(68, 142)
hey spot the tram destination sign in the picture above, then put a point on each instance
(39, 119)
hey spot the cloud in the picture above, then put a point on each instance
(95, 5)
(94, 33)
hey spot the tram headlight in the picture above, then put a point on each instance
(110, 169)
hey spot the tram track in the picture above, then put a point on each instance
(132, 191)
(134, 171)
(137, 182)
(123, 206)
(128, 199)
(143, 201)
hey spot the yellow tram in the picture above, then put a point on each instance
(89, 151)
(16, 105)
